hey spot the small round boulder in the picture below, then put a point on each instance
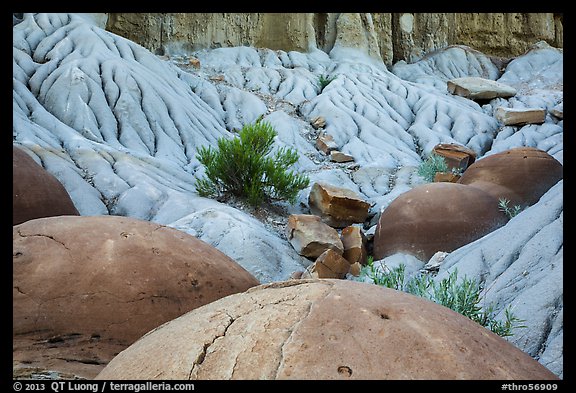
(107, 280)
(36, 193)
(435, 217)
(521, 175)
(323, 329)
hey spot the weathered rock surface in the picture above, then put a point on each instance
(521, 267)
(476, 88)
(337, 206)
(521, 175)
(542, 87)
(435, 217)
(86, 287)
(262, 252)
(119, 127)
(287, 330)
(36, 193)
(512, 117)
(387, 36)
(310, 236)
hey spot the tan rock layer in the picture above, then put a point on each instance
(386, 36)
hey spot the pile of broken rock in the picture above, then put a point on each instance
(439, 216)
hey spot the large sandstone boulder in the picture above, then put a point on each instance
(435, 217)
(323, 329)
(521, 175)
(36, 192)
(337, 206)
(86, 287)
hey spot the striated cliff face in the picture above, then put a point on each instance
(389, 37)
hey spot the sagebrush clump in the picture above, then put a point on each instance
(244, 166)
(324, 81)
(462, 296)
(434, 164)
(511, 212)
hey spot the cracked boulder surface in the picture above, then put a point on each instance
(36, 192)
(86, 287)
(322, 329)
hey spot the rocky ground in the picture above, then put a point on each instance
(119, 127)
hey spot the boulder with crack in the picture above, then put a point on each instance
(323, 329)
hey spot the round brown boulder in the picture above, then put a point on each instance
(435, 217)
(521, 175)
(322, 329)
(92, 285)
(36, 192)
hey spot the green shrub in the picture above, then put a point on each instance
(434, 163)
(244, 167)
(324, 81)
(510, 211)
(462, 297)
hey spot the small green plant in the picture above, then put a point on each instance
(433, 164)
(324, 81)
(461, 296)
(391, 279)
(244, 167)
(510, 211)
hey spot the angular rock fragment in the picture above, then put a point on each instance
(318, 122)
(325, 143)
(310, 237)
(194, 62)
(476, 88)
(558, 111)
(355, 269)
(330, 264)
(338, 156)
(338, 207)
(511, 116)
(457, 157)
(354, 243)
